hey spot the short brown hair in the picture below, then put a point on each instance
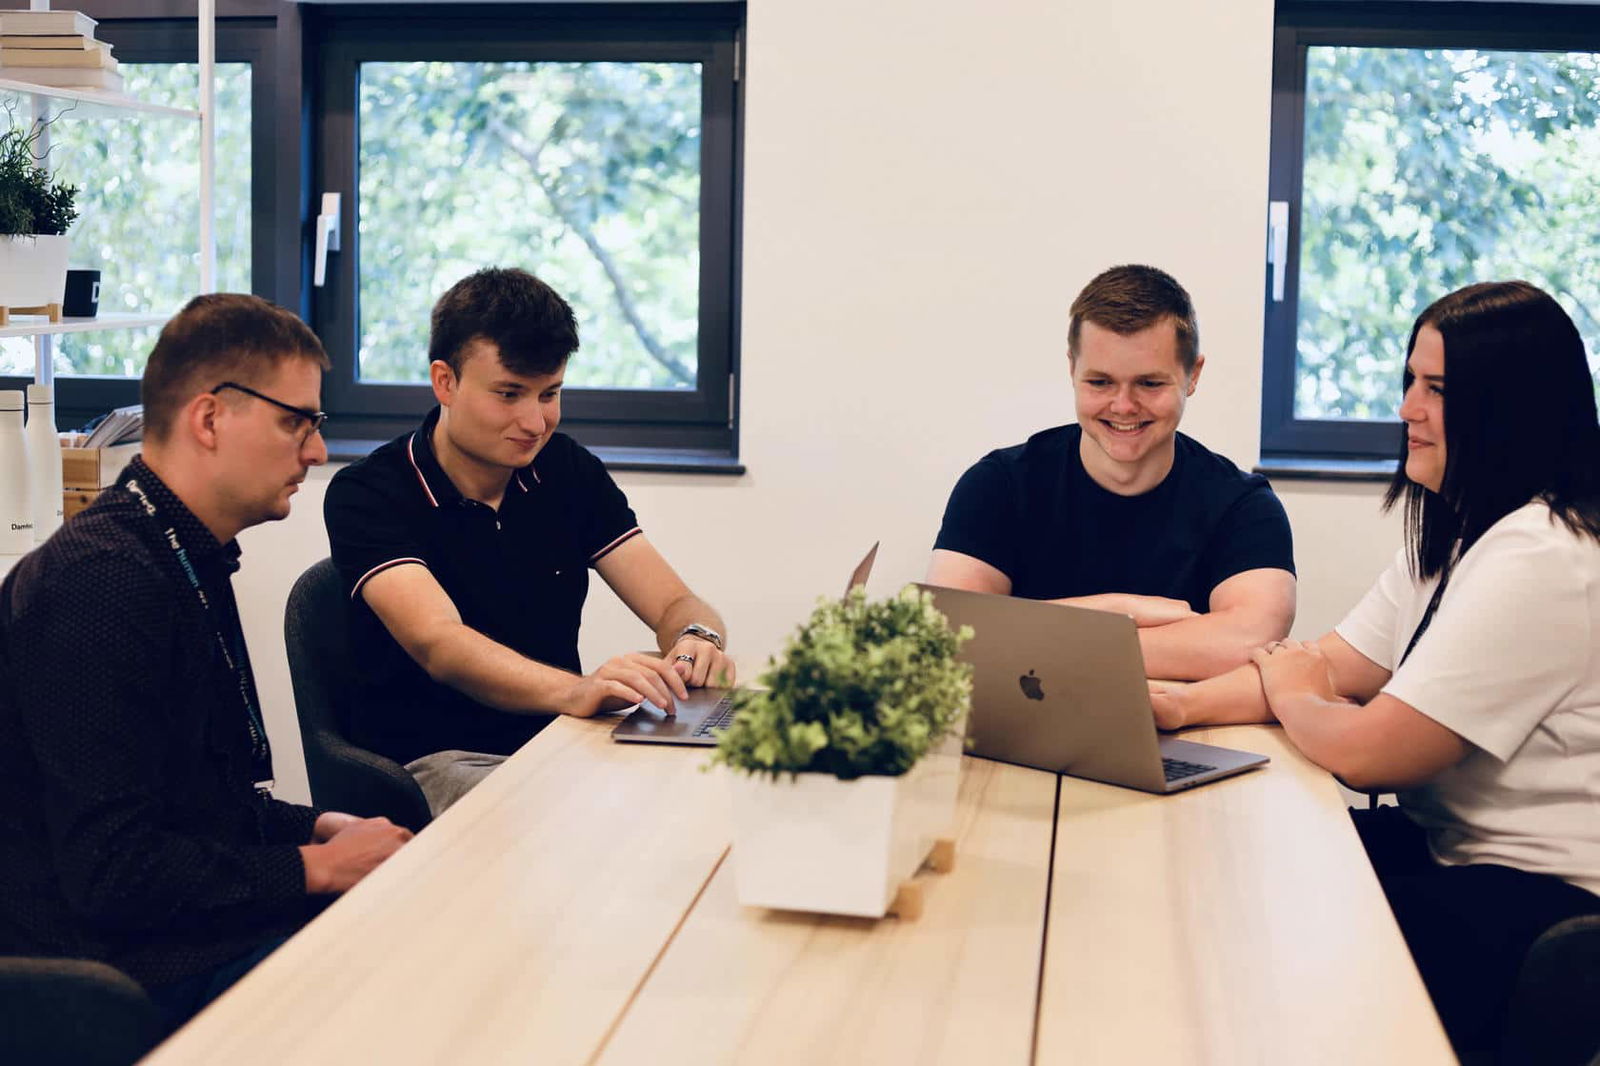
(526, 319)
(221, 336)
(1127, 299)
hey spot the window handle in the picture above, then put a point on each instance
(327, 237)
(1278, 245)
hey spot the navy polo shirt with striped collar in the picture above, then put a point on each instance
(519, 575)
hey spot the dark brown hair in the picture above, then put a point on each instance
(221, 336)
(1519, 424)
(526, 319)
(1127, 299)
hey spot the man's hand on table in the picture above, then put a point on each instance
(624, 681)
(1146, 611)
(700, 663)
(1168, 699)
(329, 823)
(354, 848)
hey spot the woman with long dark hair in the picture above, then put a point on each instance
(1468, 678)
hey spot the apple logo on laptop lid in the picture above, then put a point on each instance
(1032, 688)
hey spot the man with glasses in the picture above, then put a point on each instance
(137, 825)
(466, 546)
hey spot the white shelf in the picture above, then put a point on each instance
(92, 103)
(35, 325)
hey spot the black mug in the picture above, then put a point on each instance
(82, 299)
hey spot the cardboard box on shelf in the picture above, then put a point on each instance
(95, 468)
(75, 500)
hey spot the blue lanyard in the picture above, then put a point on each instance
(260, 750)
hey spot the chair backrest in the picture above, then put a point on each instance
(343, 776)
(1554, 1018)
(72, 1011)
(316, 632)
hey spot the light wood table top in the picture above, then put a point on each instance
(578, 907)
(515, 929)
(1238, 922)
(956, 985)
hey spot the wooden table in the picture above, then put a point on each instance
(578, 907)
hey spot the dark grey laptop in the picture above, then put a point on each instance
(1063, 689)
(707, 709)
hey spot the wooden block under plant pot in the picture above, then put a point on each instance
(843, 766)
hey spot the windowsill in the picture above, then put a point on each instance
(1324, 468)
(652, 460)
(669, 461)
(348, 451)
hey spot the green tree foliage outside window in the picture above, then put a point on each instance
(138, 177)
(1426, 170)
(588, 174)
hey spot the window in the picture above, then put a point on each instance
(138, 177)
(595, 149)
(1417, 152)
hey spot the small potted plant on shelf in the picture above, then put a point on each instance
(846, 757)
(35, 213)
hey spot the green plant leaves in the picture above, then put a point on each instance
(861, 688)
(30, 203)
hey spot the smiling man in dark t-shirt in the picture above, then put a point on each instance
(1121, 512)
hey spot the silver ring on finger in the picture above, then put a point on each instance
(685, 659)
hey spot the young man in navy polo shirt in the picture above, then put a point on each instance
(466, 544)
(1121, 512)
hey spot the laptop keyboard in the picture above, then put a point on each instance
(719, 718)
(1177, 769)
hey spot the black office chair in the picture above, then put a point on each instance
(56, 1012)
(1554, 1018)
(343, 776)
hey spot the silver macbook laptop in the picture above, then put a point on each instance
(1063, 689)
(707, 709)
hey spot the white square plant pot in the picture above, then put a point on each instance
(33, 270)
(811, 842)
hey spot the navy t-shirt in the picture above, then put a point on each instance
(1033, 513)
(518, 575)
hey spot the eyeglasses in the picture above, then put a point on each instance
(314, 419)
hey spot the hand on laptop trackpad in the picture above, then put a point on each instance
(647, 705)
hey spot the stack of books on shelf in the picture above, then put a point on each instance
(55, 48)
(115, 427)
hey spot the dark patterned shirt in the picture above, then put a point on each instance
(130, 827)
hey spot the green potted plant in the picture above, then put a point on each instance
(846, 756)
(35, 213)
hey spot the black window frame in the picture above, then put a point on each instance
(247, 39)
(647, 426)
(1299, 26)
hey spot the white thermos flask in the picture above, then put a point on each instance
(16, 504)
(44, 462)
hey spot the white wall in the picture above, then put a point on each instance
(926, 188)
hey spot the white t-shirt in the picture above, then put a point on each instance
(1510, 663)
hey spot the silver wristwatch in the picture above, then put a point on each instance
(706, 633)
